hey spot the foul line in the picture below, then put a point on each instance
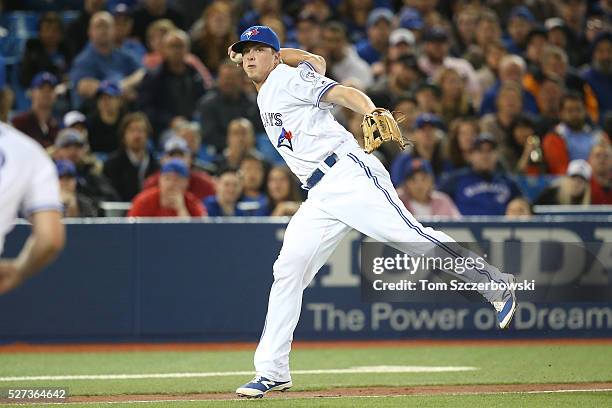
(352, 370)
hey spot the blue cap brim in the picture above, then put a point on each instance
(239, 46)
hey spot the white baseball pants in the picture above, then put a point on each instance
(356, 193)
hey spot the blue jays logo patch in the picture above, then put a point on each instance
(285, 139)
(250, 33)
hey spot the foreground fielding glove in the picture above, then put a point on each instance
(379, 127)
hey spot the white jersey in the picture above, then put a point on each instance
(28, 179)
(298, 123)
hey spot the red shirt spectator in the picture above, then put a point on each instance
(148, 204)
(200, 184)
(171, 198)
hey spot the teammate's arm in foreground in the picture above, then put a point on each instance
(42, 247)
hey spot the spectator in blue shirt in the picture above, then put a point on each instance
(511, 68)
(599, 73)
(223, 203)
(252, 172)
(379, 24)
(480, 189)
(520, 22)
(101, 60)
(124, 39)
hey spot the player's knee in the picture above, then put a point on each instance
(290, 267)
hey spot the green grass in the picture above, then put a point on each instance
(578, 399)
(503, 365)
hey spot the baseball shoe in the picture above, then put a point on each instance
(259, 386)
(505, 309)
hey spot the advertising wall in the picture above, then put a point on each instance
(209, 281)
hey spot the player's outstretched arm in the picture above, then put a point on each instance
(43, 245)
(350, 98)
(293, 56)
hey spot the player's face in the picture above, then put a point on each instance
(258, 61)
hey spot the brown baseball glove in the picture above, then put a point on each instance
(379, 127)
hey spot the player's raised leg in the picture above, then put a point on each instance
(310, 238)
(378, 212)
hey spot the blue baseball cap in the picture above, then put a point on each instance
(175, 166)
(65, 168)
(411, 19)
(257, 34)
(415, 165)
(378, 14)
(110, 88)
(522, 12)
(428, 119)
(43, 78)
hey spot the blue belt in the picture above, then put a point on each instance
(318, 174)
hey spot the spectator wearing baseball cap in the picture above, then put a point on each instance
(401, 42)
(75, 204)
(436, 55)
(344, 63)
(71, 145)
(481, 189)
(573, 189)
(418, 195)
(38, 122)
(170, 198)
(427, 136)
(520, 22)
(200, 184)
(124, 37)
(411, 19)
(379, 25)
(103, 122)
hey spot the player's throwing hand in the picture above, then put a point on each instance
(234, 56)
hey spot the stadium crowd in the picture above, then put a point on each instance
(507, 103)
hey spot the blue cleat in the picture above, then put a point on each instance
(259, 386)
(505, 309)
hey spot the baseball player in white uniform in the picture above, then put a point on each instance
(28, 184)
(348, 189)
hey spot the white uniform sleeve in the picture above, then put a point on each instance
(309, 86)
(42, 192)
